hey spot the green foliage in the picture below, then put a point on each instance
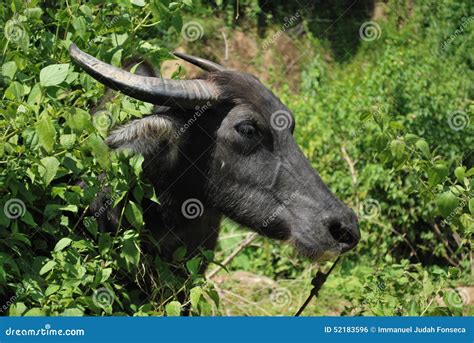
(53, 260)
(398, 110)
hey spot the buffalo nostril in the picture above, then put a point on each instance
(343, 235)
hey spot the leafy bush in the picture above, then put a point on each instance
(390, 130)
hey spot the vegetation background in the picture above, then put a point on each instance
(382, 94)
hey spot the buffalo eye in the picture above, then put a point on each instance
(246, 129)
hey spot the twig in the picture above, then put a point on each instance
(250, 238)
(403, 236)
(350, 163)
(446, 244)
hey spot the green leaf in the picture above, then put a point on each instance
(99, 150)
(53, 288)
(73, 312)
(47, 267)
(80, 26)
(48, 169)
(397, 147)
(3, 274)
(46, 132)
(54, 74)
(470, 172)
(195, 295)
(411, 138)
(15, 91)
(9, 69)
(193, 265)
(130, 250)
(422, 145)
(17, 309)
(35, 312)
(67, 140)
(134, 215)
(173, 308)
(447, 203)
(62, 244)
(35, 95)
(437, 173)
(139, 3)
(179, 254)
(460, 172)
(105, 243)
(471, 206)
(79, 120)
(105, 274)
(136, 163)
(116, 60)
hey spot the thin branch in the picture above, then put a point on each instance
(350, 163)
(403, 236)
(446, 244)
(250, 238)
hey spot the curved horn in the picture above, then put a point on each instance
(185, 93)
(200, 62)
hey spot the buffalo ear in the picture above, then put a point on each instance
(151, 134)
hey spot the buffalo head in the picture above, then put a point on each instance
(238, 136)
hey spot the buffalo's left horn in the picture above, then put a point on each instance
(184, 93)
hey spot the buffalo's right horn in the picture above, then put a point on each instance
(200, 62)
